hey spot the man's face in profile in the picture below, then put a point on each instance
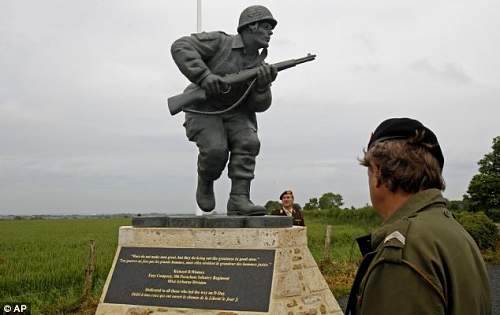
(262, 34)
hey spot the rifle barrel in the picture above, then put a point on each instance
(293, 62)
(178, 102)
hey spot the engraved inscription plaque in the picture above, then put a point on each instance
(225, 279)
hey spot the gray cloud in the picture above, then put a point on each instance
(366, 68)
(366, 40)
(448, 71)
(83, 91)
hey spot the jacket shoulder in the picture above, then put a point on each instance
(419, 232)
(394, 241)
(436, 227)
(208, 36)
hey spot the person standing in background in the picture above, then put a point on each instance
(288, 209)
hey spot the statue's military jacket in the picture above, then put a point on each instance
(204, 53)
(421, 261)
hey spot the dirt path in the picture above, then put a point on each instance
(494, 273)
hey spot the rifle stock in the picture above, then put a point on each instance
(197, 95)
(192, 97)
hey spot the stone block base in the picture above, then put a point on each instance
(298, 288)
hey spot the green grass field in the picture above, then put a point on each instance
(43, 261)
(339, 272)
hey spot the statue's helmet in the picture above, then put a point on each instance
(255, 13)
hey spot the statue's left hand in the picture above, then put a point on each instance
(265, 75)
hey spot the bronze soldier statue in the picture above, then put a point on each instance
(222, 134)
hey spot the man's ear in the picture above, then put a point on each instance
(376, 172)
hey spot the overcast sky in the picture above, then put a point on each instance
(83, 85)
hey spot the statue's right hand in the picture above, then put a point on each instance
(213, 84)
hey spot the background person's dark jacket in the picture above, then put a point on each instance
(298, 218)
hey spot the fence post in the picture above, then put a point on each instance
(328, 240)
(89, 271)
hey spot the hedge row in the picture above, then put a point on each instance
(480, 226)
(365, 216)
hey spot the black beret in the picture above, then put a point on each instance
(404, 128)
(286, 192)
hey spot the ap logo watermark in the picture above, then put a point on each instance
(15, 308)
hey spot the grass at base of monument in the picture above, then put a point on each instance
(340, 270)
(43, 261)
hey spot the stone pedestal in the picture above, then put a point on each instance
(298, 288)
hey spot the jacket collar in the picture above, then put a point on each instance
(238, 44)
(416, 203)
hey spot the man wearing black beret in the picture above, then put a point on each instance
(288, 208)
(421, 260)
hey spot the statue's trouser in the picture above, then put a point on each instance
(230, 135)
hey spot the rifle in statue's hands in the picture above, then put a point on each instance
(178, 103)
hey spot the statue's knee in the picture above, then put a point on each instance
(250, 144)
(211, 162)
(217, 154)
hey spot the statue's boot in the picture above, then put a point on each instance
(205, 194)
(239, 202)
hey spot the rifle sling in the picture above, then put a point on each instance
(220, 112)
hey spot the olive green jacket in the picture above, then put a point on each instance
(421, 261)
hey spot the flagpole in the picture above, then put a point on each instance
(198, 30)
(198, 16)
